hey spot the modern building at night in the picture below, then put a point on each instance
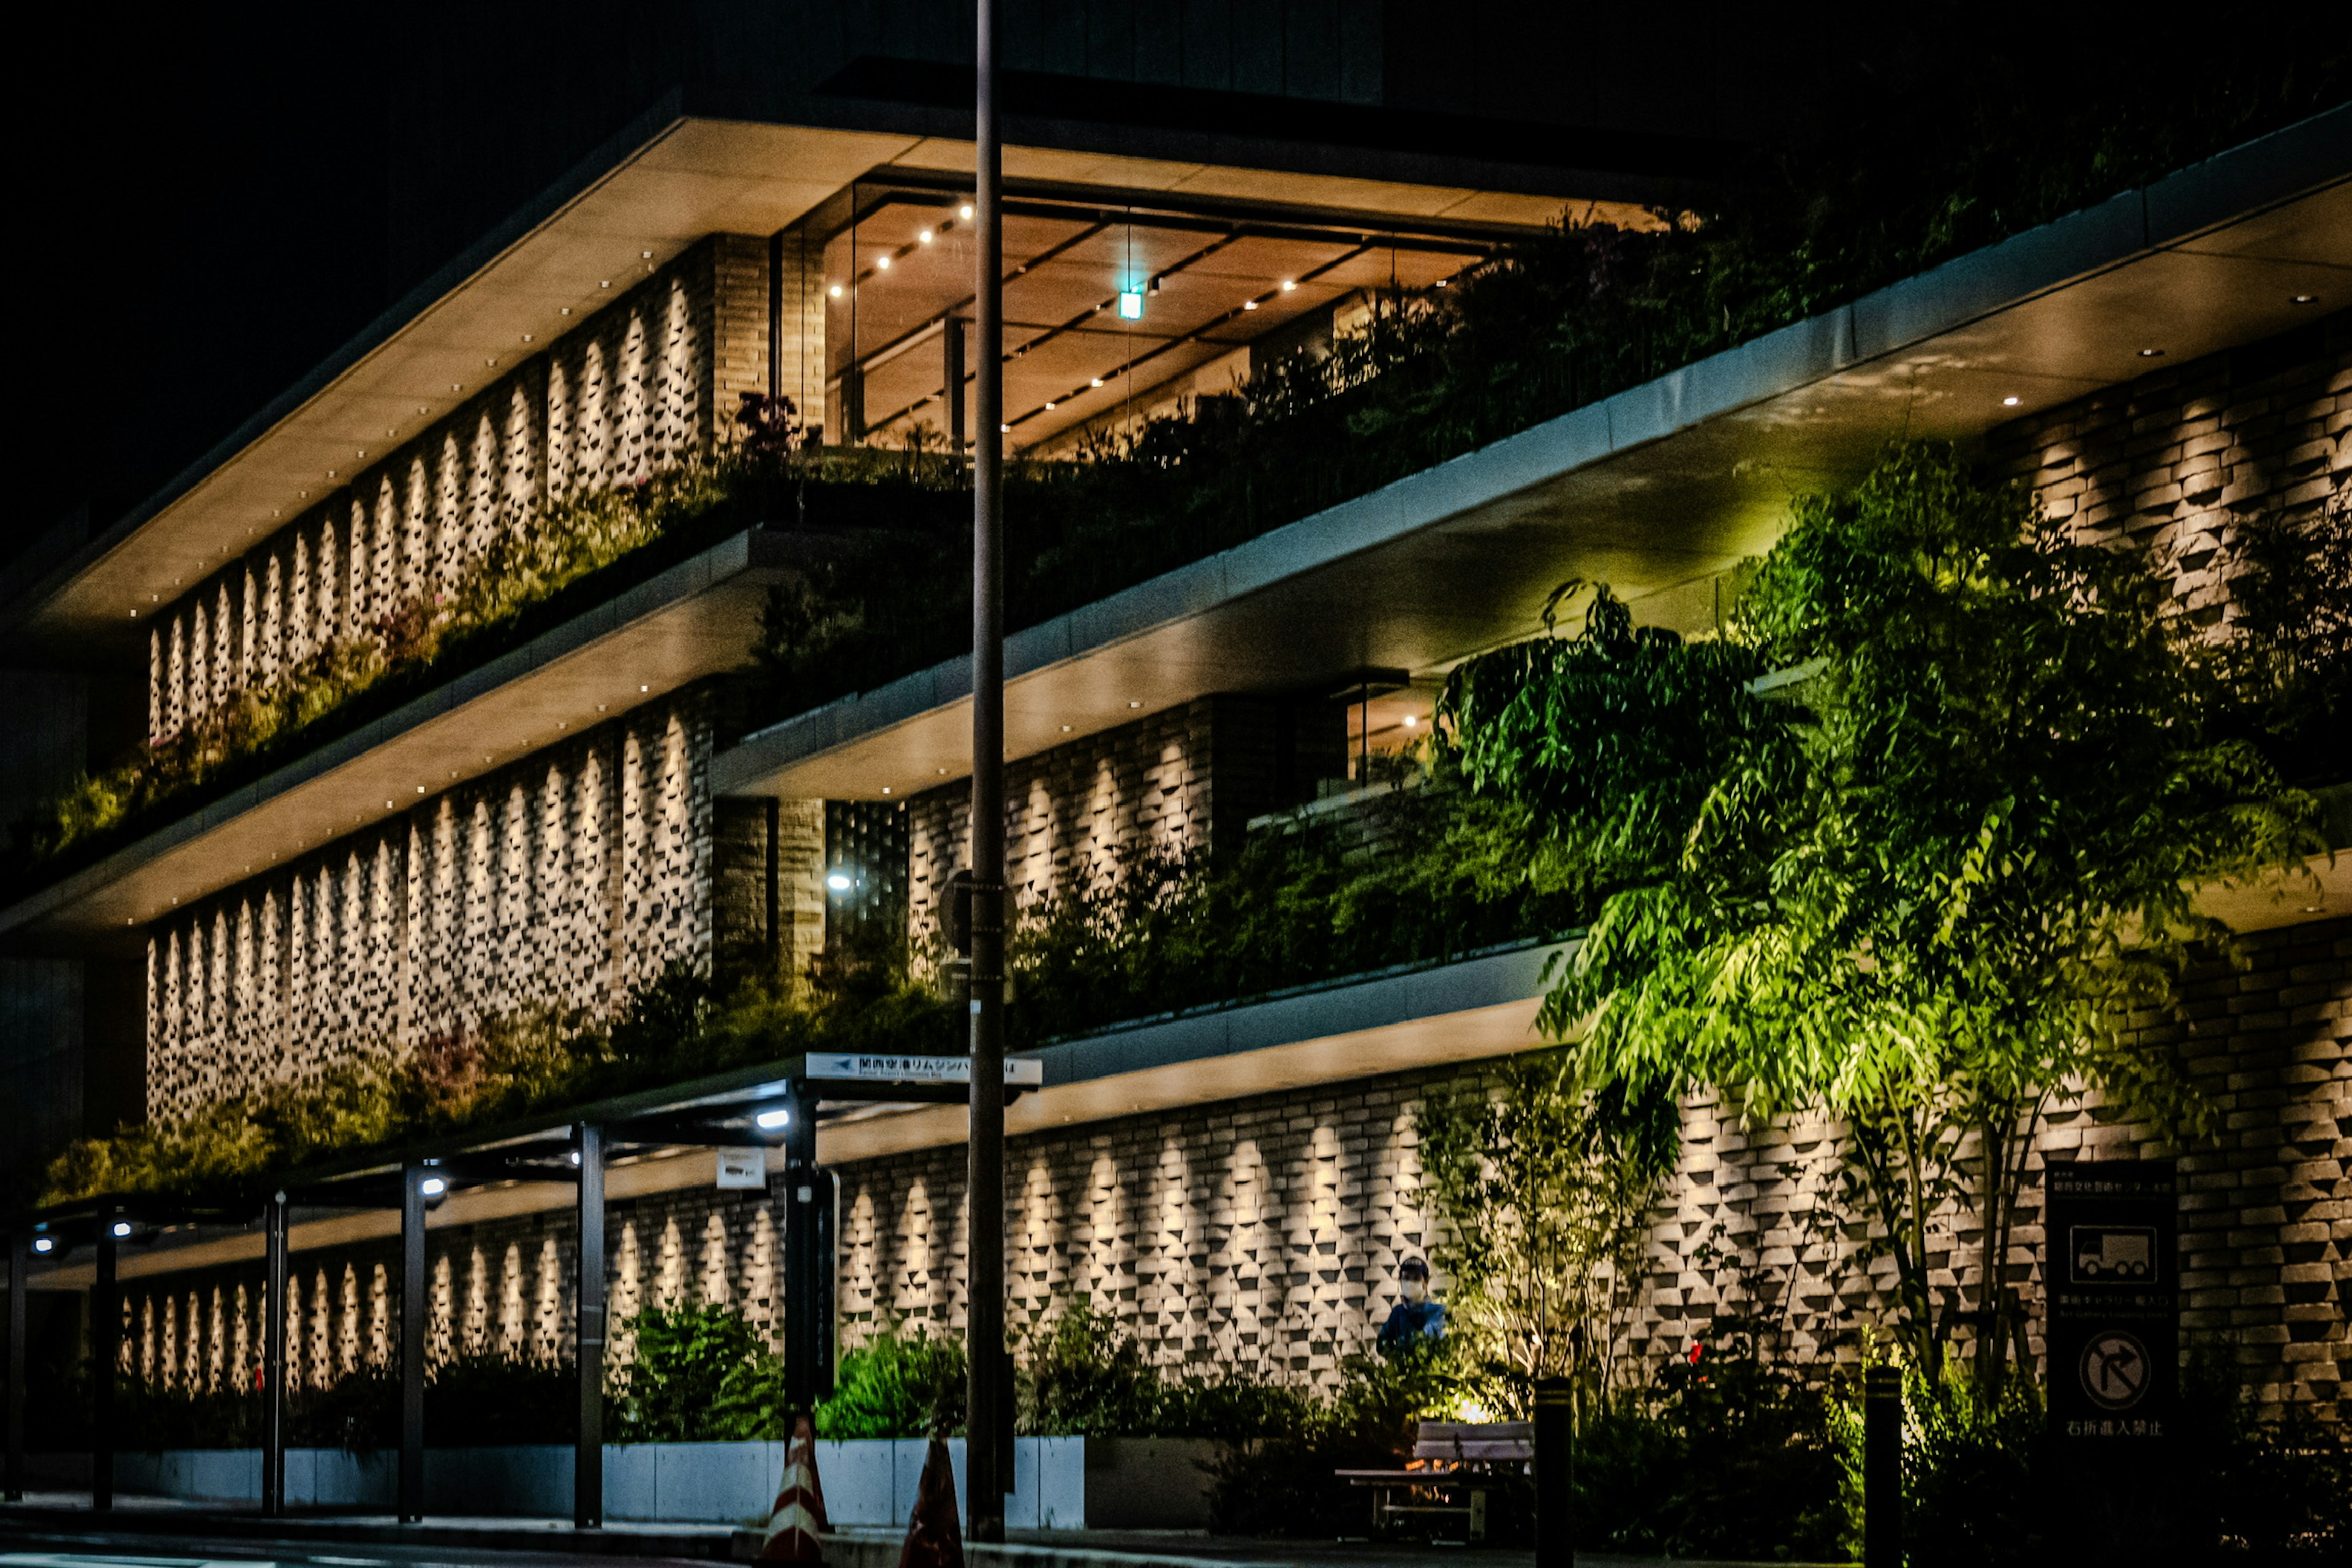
(561, 823)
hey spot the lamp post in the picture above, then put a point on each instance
(984, 1190)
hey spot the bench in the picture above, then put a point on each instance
(1454, 1465)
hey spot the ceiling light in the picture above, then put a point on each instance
(1288, 284)
(1135, 705)
(45, 1244)
(606, 283)
(526, 337)
(563, 310)
(1445, 282)
(119, 1227)
(838, 882)
(576, 1156)
(1004, 429)
(2304, 300)
(881, 264)
(1410, 723)
(2313, 909)
(925, 237)
(771, 1119)
(835, 290)
(943, 773)
(2009, 403)
(1066, 728)
(1130, 304)
(432, 1186)
(492, 360)
(2151, 354)
(645, 256)
(1249, 304)
(1049, 403)
(964, 211)
(1097, 382)
(645, 688)
(886, 789)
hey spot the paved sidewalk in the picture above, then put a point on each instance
(57, 1529)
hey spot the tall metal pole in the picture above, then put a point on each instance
(588, 1293)
(106, 1350)
(413, 1312)
(273, 1360)
(984, 1486)
(20, 1266)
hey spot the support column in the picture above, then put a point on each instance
(808, 1272)
(588, 1292)
(106, 1353)
(986, 1478)
(1882, 1468)
(951, 342)
(414, 1310)
(20, 1266)
(275, 1219)
(1555, 1434)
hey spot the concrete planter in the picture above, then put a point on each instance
(866, 1482)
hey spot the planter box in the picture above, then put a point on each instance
(866, 1482)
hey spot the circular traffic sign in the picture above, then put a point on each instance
(2115, 1370)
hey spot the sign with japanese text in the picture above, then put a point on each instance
(914, 1068)
(2111, 1272)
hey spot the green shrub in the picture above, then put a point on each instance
(700, 1374)
(901, 1383)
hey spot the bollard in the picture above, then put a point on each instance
(1555, 1474)
(1882, 1468)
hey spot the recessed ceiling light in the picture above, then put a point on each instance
(1444, 282)
(2151, 354)
(493, 360)
(1049, 403)
(645, 688)
(1288, 284)
(886, 789)
(1004, 429)
(605, 283)
(1098, 381)
(925, 237)
(1066, 728)
(526, 337)
(645, 255)
(964, 211)
(881, 264)
(1135, 705)
(1249, 304)
(2313, 909)
(943, 773)
(564, 310)
(1410, 723)
(835, 290)
(2009, 403)
(2304, 300)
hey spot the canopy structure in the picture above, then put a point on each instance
(768, 1107)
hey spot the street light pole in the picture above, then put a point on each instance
(984, 1191)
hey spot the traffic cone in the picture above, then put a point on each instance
(934, 1537)
(798, 1518)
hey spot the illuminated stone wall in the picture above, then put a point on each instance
(605, 399)
(566, 880)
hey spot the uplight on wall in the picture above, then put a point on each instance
(1130, 304)
(838, 882)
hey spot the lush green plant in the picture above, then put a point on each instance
(1082, 1374)
(1972, 1451)
(2289, 650)
(1921, 884)
(1722, 1454)
(679, 1026)
(1418, 875)
(900, 1382)
(697, 1373)
(1543, 1195)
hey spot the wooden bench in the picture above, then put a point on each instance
(1454, 1465)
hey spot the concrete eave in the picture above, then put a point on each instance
(1434, 1016)
(634, 205)
(689, 621)
(1657, 490)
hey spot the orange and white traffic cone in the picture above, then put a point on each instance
(934, 1536)
(798, 1518)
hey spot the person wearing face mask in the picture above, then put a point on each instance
(1416, 1319)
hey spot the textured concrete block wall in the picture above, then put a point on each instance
(565, 879)
(620, 393)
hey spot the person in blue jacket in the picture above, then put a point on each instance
(1416, 1319)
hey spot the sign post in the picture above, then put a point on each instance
(2111, 1272)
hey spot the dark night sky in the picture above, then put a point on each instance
(203, 196)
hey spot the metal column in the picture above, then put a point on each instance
(985, 1481)
(1882, 1468)
(273, 1358)
(20, 1266)
(951, 342)
(106, 1351)
(1555, 1436)
(412, 1314)
(588, 1454)
(808, 1270)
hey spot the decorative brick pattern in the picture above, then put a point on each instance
(566, 879)
(640, 384)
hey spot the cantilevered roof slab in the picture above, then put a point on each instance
(1657, 490)
(624, 214)
(687, 623)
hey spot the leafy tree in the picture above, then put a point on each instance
(899, 1383)
(1544, 1193)
(1925, 827)
(699, 1373)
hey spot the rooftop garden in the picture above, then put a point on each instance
(1549, 325)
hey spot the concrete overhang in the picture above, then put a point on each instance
(684, 624)
(621, 216)
(1657, 491)
(1478, 1008)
